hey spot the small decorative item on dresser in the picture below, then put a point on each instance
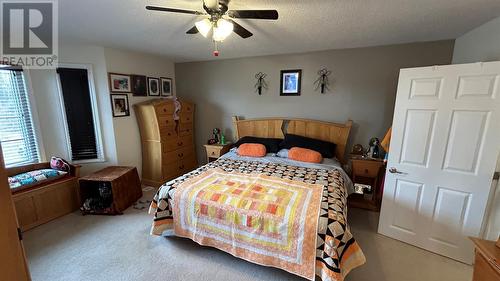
(214, 151)
(139, 85)
(290, 82)
(109, 191)
(366, 174)
(261, 83)
(166, 86)
(153, 86)
(119, 83)
(119, 103)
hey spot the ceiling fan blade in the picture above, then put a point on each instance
(254, 14)
(193, 30)
(163, 9)
(240, 30)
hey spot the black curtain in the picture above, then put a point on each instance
(77, 103)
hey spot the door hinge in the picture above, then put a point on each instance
(20, 234)
(496, 175)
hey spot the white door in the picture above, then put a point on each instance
(444, 147)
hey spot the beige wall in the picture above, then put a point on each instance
(127, 137)
(483, 44)
(363, 87)
(121, 139)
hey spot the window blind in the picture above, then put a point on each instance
(17, 135)
(79, 115)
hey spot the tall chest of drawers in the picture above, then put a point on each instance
(167, 144)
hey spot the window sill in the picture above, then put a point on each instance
(89, 161)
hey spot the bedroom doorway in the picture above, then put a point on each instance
(443, 154)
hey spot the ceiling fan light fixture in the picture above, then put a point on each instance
(222, 30)
(204, 27)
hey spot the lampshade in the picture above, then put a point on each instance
(203, 27)
(222, 30)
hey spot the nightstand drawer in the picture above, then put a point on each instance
(214, 152)
(367, 169)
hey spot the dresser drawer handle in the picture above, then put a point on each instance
(167, 121)
(180, 154)
(366, 171)
(169, 134)
(213, 152)
(164, 110)
(179, 143)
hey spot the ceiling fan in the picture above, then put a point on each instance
(219, 19)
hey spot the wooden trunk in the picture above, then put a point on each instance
(124, 182)
(167, 144)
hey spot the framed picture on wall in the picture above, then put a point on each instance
(290, 82)
(166, 86)
(119, 104)
(119, 83)
(153, 86)
(139, 85)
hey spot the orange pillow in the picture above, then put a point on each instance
(252, 150)
(305, 155)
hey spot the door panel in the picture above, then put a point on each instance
(465, 140)
(449, 216)
(428, 88)
(419, 128)
(407, 198)
(445, 144)
(476, 86)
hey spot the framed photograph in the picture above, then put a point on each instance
(166, 86)
(291, 82)
(139, 85)
(119, 83)
(119, 103)
(153, 86)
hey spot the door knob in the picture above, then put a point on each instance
(395, 171)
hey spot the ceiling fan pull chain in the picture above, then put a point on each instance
(216, 49)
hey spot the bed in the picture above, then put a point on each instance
(270, 210)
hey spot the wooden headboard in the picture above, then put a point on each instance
(278, 127)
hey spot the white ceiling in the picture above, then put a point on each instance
(303, 25)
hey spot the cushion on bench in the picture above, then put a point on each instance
(23, 180)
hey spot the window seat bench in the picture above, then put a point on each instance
(46, 200)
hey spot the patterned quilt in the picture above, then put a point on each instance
(178, 205)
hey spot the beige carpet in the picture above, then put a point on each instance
(104, 248)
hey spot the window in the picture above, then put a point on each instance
(80, 111)
(17, 134)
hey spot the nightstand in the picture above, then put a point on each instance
(215, 151)
(367, 171)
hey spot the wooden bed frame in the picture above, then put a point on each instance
(277, 128)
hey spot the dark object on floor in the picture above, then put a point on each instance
(109, 191)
